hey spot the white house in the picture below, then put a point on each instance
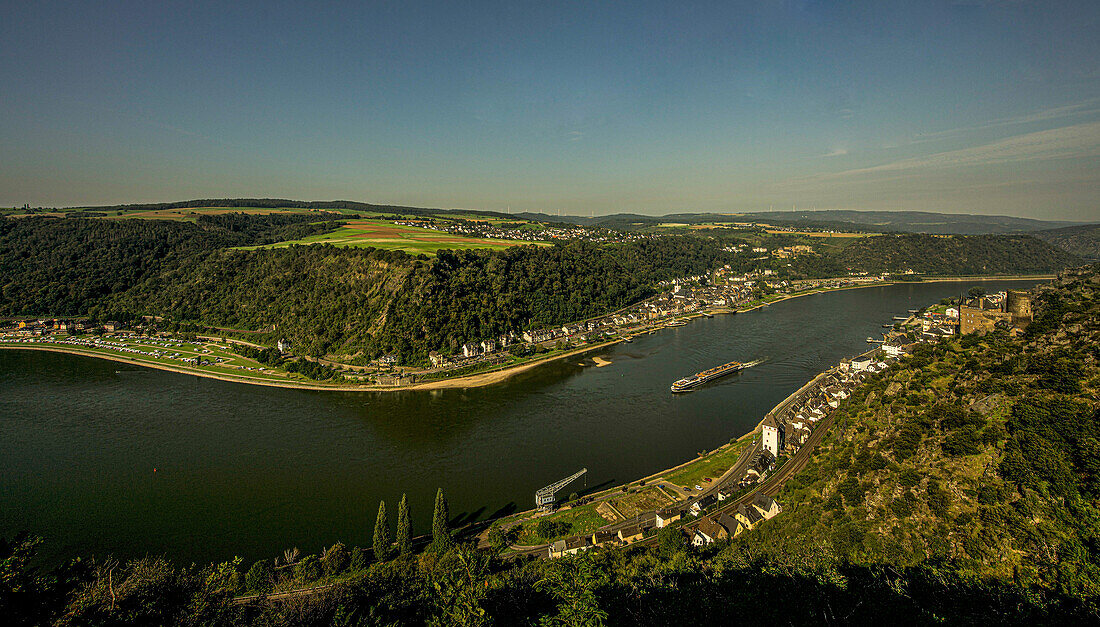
(668, 516)
(770, 439)
(859, 365)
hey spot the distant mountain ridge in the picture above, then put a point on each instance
(918, 221)
(849, 219)
(876, 221)
(279, 203)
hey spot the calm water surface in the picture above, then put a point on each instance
(245, 470)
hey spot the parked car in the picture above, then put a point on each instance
(698, 487)
(707, 479)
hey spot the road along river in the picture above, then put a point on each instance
(247, 470)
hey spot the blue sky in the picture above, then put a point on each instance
(586, 108)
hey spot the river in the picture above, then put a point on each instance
(250, 471)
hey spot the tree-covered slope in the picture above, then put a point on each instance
(322, 298)
(955, 255)
(982, 453)
(365, 301)
(1083, 241)
(69, 266)
(473, 295)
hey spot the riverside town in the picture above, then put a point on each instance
(552, 314)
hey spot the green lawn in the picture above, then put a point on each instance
(712, 465)
(582, 519)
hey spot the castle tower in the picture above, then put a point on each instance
(1018, 303)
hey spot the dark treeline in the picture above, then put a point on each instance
(279, 203)
(661, 585)
(955, 255)
(70, 267)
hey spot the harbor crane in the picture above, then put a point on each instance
(544, 497)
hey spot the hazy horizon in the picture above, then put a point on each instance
(987, 107)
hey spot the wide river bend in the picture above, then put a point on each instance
(250, 471)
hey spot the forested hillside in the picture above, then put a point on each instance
(476, 294)
(69, 266)
(982, 453)
(954, 255)
(324, 299)
(364, 303)
(351, 300)
(1083, 241)
(910, 221)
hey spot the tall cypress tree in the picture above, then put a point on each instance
(381, 534)
(441, 536)
(403, 528)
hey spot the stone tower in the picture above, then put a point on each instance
(1018, 303)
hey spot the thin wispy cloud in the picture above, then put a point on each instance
(1068, 142)
(1084, 108)
(836, 152)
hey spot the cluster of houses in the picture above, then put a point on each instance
(679, 297)
(708, 529)
(44, 326)
(652, 310)
(724, 526)
(789, 428)
(544, 234)
(786, 252)
(855, 280)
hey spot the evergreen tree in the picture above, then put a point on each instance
(404, 546)
(441, 536)
(381, 534)
(359, 561)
